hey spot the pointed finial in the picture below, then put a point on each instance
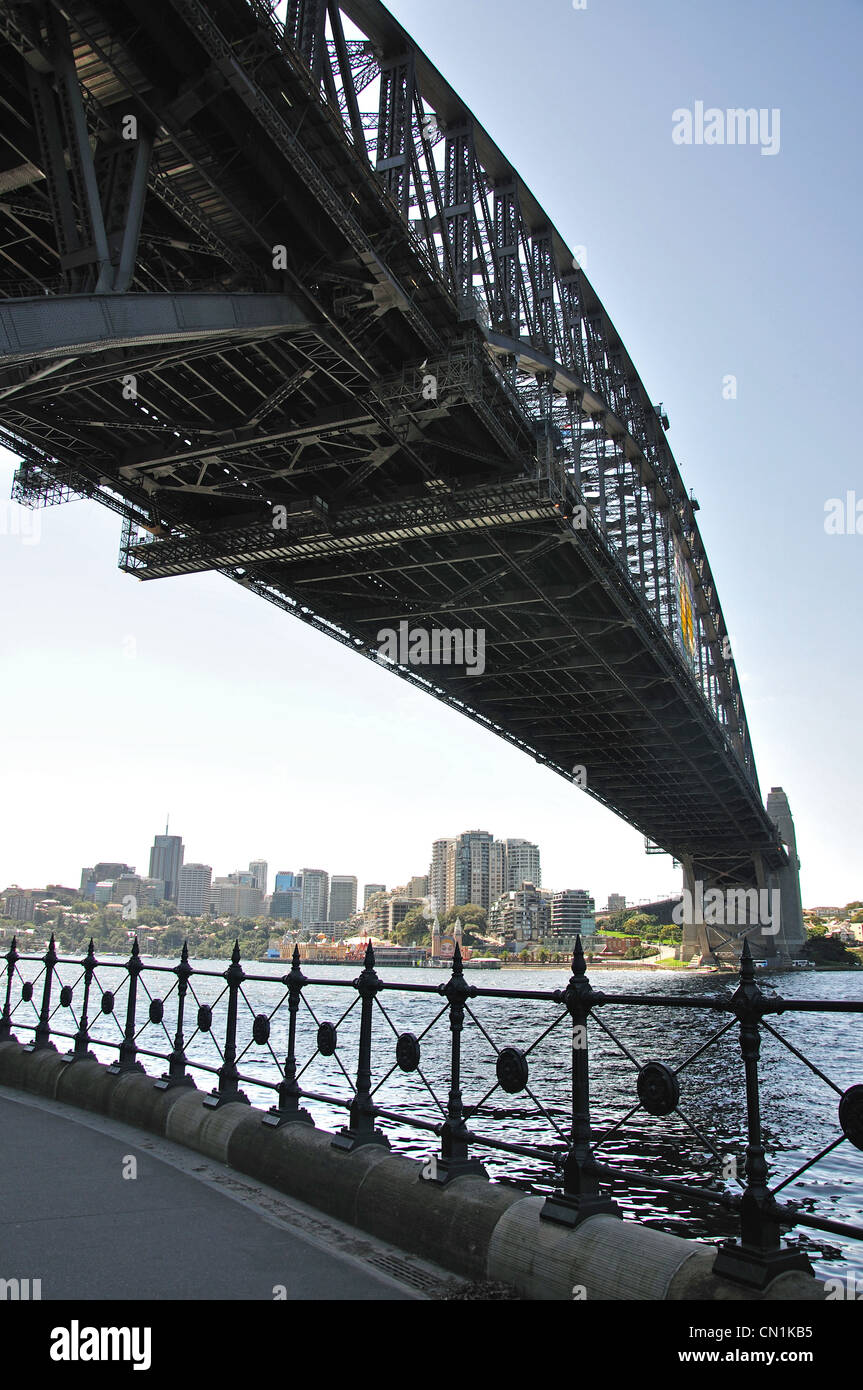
(457, 967)
(14, 943)
(369, 961)
(235, 954)
(51, 942)
(184, 954)
(747, 969)
(136, 950)
(295, 958)
(578, 965)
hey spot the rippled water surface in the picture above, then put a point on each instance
(799, 1108)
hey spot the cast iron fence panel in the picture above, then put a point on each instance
(449, 1075)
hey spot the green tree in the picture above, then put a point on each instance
(828, 950)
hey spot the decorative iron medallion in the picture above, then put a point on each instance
(261, 1029)
(205, 1018)
(107, 1005)
(851, 1115)
(512, 1070)
(407, 1051)
(658, 1088)
(327, 1039)
(27, 991)
(66, 996)
(156, 1011)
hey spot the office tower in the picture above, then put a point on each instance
(258, 870)
(316, 893)
(343, 897)
(572, 911)
(438, 897)
(370, 890)
(88, 878)
(193, 889)
(127, 885)
(229, 897)
(522, 864)
(166, 858)
(616, 902)
(287, 900)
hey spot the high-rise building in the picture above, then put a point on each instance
(496, 870)
(287, 900)
(398, 908)
(438, 896)
(193, 889)
(522, 864)
(418, 886)
(343, 897)
(472, 858)
(166, 859)
(616, 902)
(316, 894)
(258, 870)
(370, 890)
(228, 897)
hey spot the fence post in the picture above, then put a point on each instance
(6, 1034)
(228, 1089)
(581, 1196)
(361, 1128)
(176, 1074)
(455, 1161)
(42, 1036)
(81, 1049)
(127, 1058)
(288, 1111)
(759, 1255)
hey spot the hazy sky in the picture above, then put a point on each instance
(121, 701)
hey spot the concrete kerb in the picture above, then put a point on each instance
(475, 1228)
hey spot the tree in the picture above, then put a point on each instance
(817, 928)
(828, 950)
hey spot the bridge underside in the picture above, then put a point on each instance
(272, 301)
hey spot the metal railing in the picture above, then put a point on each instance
(33, 1005)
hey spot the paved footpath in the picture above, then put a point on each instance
(185, 1227)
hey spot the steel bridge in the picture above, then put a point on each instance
(272, 294)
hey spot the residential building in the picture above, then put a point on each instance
(522, 864)
(522, 914)
(573, 911)
(18, 904)
(442, 851)
(370, 890)
(418, 886)
(193, 889)
(398, 908)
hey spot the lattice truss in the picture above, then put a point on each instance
(415, 253)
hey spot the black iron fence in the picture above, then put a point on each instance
(191, 1009)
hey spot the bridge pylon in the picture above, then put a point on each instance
(717, 918)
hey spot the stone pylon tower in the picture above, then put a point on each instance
(793, 933)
